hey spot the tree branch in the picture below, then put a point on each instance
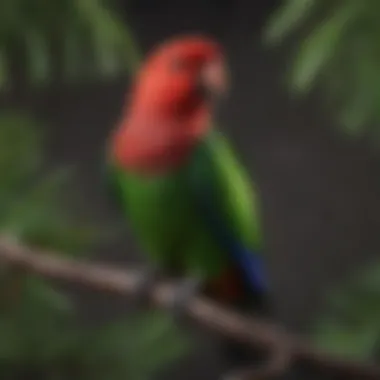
(283, 348)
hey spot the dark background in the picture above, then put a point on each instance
(320, 192)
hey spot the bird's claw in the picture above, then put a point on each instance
(187, 288)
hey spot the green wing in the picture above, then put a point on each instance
(229, 208)
(218, 176)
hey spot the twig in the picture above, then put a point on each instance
(252, 331)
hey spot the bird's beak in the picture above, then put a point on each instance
(213, 79)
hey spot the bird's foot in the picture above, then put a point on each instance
(146, 280)
(187, 288)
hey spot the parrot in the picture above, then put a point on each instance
(188, 199)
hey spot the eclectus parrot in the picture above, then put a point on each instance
(189, 201)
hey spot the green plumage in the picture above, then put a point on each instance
(165, 216)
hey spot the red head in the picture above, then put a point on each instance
(170, 105)
(179, 72)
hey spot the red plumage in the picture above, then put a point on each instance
(166, 114)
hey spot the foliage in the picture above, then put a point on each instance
(40, 337)
(38, 329)
(133, 350)
(32, 207)
(86, 36)
(339, 50)
(351, 326)
(337, 47)
(39, 332)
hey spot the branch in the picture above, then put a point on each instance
(283, 347)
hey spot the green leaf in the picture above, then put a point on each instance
(132, 55)
(41, 289)
(37, 208)
(351, 324)
(356, 114)
(344, 341)
(133, 349)
(320, 46)
(72, 53)
(38, 55)
(38, 327)
(106, 57)
(341, 52)
(287, 18)
(112, 40)
(42, 25)
(361, 98)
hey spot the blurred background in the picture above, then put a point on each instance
(303, 111)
